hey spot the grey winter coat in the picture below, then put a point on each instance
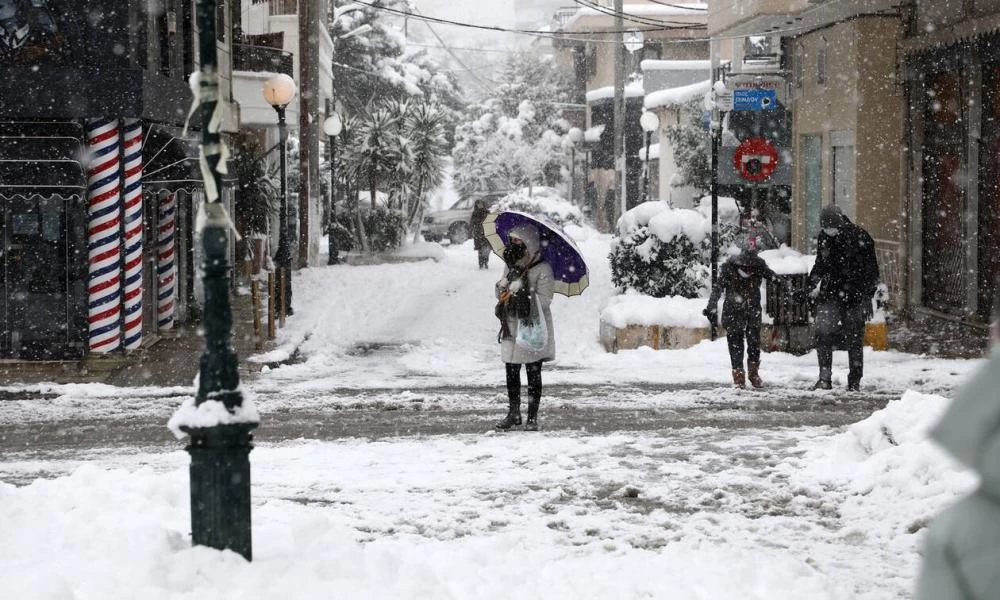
(541, 282)
(962, 555)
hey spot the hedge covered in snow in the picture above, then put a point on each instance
(661, 251)
(544, 202)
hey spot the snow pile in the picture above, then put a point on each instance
(676, 65)
(632, 308)
(678, 95)
(894, 477)
(545, 202)
(788, 261)
(654, 153)
(632, 90)
(593, 135)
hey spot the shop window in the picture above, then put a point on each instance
(843, 162)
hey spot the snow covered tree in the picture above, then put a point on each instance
(692, 146)
(513, 138)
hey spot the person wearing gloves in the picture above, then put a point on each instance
(739, 279)
(526, 337)
(843, 282)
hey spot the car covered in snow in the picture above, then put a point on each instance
(453, 223)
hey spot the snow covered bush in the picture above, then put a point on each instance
(386, 228)
(662, 251)
(544, 202)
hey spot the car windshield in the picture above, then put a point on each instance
(462, 204)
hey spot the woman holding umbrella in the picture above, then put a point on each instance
(540, 261)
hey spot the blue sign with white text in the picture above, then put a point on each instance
(755, 99)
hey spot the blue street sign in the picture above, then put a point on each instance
(755, 99)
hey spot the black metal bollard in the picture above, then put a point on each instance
(220, 487)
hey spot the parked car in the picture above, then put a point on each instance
(453, 223)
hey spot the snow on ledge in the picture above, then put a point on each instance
(632, 90)
(788, 261)
(654, 153)
(594, 133)
(677, 95)
(210, 414)
(676, 65)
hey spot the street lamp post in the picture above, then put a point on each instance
(220, 453)
(332, 128)
(650, 123)
(575, 136)
(278, 92)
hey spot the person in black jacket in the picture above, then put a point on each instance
(480, 211)
(740, 278)
(844, 280)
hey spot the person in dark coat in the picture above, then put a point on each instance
(479, 212)
(844, 280)
(739, 279)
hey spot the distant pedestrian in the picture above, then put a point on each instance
(740, 279)
(526, 337)
(479, 211)
(843, 282)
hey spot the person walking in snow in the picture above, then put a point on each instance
(843, 282)
(739, 279)
(479, 212)
(526, 337)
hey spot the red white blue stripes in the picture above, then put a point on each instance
(132, 155)
(104, 236)
(166, 265)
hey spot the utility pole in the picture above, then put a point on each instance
(309, 119)
(619, 36)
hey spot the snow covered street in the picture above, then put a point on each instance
(376, 474)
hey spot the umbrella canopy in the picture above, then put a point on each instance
(568, 267)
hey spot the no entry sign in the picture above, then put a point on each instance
(756, 159)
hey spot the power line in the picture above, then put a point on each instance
(679, 6)
(541, 33)
(632, 17)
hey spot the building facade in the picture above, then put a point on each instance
(98, 185)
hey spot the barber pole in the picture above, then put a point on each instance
(132, 153)
(104, 236)
(166, 266)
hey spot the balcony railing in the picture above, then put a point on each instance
(262, 58)
(284, 7)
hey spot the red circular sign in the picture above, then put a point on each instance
(756, 159)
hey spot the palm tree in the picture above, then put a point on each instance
(424, 127)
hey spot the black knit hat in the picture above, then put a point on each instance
(831, 217)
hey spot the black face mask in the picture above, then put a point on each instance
(514, 253)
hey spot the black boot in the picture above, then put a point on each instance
(532, 423)
(513, 416)
(854, 380)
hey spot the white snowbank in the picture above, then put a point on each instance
(633, 308)
(678, 95)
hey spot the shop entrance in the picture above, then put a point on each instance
(42, 281)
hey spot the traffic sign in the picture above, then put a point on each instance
(756, 159)
(724, 101)
(755, 99)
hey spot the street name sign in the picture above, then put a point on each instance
(756, 99)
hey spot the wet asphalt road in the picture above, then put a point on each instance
(337, 414)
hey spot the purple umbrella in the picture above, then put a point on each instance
(558, 249)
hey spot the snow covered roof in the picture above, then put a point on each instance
(676, 65)
(654, 152)
(632, 90)
(593, 134)
(677, 95)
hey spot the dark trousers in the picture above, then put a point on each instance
(749, 332)
(534, 382)
(837, 321)
(484, 257)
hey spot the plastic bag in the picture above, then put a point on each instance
(533, 333)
